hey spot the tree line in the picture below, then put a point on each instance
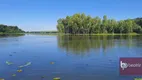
(82, 24)
(10, 29)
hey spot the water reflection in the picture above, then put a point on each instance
(6, 39)
(81, 45)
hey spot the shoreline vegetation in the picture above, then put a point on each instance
(84, 34)
(57, 33)
(85, 24)
(5, 29)
(12, 33)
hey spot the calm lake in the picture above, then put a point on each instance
(67, 57)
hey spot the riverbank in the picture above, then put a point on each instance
(71, 34)
(12, 33)
(101, 34)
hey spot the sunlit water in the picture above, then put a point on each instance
(74, 57)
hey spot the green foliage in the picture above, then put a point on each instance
(138, 21)
(82, 24)
(10, 29)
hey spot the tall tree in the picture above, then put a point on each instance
(104, 24)
(85, 24)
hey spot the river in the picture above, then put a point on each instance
(67, 57)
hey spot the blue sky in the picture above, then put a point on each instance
(36, 15)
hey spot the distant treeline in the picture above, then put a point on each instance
(43, 32)
(82, 24)
(10, 29)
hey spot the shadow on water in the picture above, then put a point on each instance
(81, 45)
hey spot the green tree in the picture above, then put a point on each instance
(121, 26)
(10, 29)
(104, 24)
(85, 24)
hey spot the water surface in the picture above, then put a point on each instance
(74, 57)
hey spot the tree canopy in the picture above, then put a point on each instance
(82, 24)
(10, 29)
(138, 21)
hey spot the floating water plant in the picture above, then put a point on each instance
(21, 66)
(57, 78)
(1, 79)
(20, 70)
(9, 63)
(13, 75)
(27, 64)
(52, 62)
(42, 77)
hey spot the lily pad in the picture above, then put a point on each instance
(27, 64)
(13, 75)
(21, 66)
(57, 78)
(42, 76)
(9, 63)
(52, 62)
(20, 70)
(1, 78)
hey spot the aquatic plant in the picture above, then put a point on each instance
(9, 63)
(27, 64)
(57, 78)
(20, 70)
(42, 77)
(52, 62)
(13, 75)
(1, 78)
